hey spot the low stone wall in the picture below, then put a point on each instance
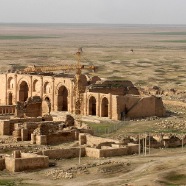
(92, 152)
(26, 162)
(60, 137)
(96, 141)
(110, 151)
(64, 153)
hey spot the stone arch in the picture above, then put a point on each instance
(104, 107)
(62, 98)
(92, 106)
(10, 98)
(47, 88)
(47, 107)
(23, 91)
(10, 83)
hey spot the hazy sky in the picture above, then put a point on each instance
(94, 11)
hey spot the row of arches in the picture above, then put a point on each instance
(62, 94)
(93, 106)
(62, 98)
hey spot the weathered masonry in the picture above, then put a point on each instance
(113, 99)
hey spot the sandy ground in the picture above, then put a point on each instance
(150, 170)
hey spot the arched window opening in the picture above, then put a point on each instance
(92, 106)
(46, 88)
(10, 83)
(35, 85)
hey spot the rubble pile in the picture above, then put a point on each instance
(70, 173)
(176, 125)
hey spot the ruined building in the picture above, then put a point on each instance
(113, 99)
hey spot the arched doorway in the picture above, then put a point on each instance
(92, 106)
(104, 107)
(23, 91)
(62, 99)
(10, 98)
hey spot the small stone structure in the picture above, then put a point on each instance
(25, 161)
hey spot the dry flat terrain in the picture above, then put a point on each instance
(146, 55)
(158, 56)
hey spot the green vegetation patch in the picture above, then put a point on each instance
(167, 33)
(174, 41)
(7, 182)
(174, 179)
(22, 37)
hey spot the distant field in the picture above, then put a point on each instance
(143, 54)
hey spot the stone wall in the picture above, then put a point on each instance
(94, 141)
(61, 137)
(138, 107)
(64, 153)
(4, 127)
(26, 162)
(106, 151)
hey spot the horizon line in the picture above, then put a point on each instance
(95, 23)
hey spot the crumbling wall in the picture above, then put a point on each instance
(30, 108)
(60, 137)
(137, 107)
(96, 141)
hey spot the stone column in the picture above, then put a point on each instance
(41, 87)
(85, 104)
(53, 92)
(31, 86)
(98, 105)
(15, 88)
(6, 98)
(71, 104)
(110, 106)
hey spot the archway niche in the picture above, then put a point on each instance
(92, 106)
(62, 99)
(10, 99)
(47, 88)
(104, 107)
(10, 83)
(35, 85)
(23, 91)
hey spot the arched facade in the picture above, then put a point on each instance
(23, 91)
(104, 107)
(62, 98)
(92, 106)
